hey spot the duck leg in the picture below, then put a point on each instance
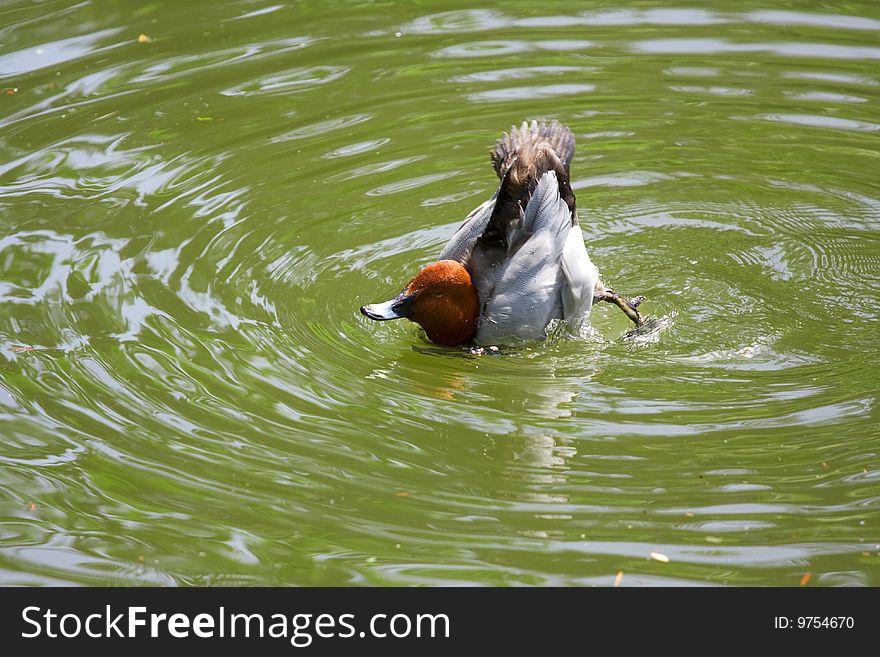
(628, 306)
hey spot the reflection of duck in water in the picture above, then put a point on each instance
(518, 261)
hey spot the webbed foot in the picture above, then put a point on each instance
(628, 306)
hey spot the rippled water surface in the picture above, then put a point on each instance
(191, 219)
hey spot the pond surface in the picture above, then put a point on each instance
(191, 218)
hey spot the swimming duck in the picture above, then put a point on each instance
(518, 261)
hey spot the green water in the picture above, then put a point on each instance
(188, 394)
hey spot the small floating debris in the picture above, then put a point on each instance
(713, 539)
(806, 578)
(10, 91)
(617, 578)
(141, 558)
(32, 506)
(402, 493)
(19, 349)
(659, 556)
(143, 38)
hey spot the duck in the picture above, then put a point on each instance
(518, 261)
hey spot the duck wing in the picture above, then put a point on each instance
(461, 244)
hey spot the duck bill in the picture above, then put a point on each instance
(397, 308)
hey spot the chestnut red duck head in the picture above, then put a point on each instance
(441, 299)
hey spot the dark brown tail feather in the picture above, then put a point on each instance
(520, 158)
(525, 142)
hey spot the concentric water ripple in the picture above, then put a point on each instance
(188, 394)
